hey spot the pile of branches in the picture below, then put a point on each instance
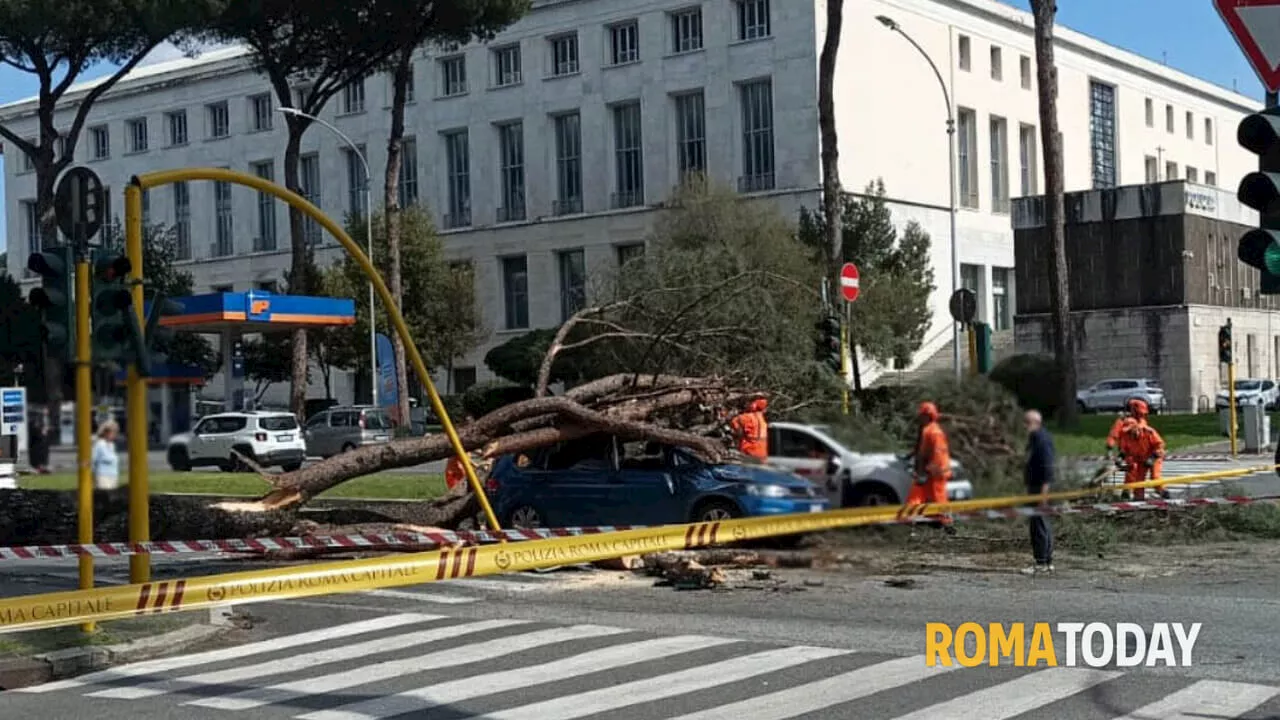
(654, 408)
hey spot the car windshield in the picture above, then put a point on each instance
(377, 421)
(278, 422)
(1248, 385)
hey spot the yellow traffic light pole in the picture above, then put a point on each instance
(135, 400)
(84, 434)
(1231, 402)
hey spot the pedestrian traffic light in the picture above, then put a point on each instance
(827, 350)
(1224, 344)
(1260, 248)
(54, 299)
(112, 310)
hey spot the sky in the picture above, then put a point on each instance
(1184, 34)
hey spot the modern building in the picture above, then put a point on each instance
(545, 153)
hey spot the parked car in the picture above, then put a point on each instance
(602, 480)
(267, 438)
(849, 478)
(346, 427)
(1114, 395)
(1250, 391)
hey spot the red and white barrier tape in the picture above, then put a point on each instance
(1198, 457)
(363, 541)
(910, 515)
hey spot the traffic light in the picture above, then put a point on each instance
(1260, 248)
(1224, 344)
(828, 346)
(54, 299)
(112, 310)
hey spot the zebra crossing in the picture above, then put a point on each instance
(420, 665)
(1172, 469)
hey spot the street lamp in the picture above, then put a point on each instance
(951, 163)
(368, 226)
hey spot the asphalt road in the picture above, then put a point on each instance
(64, 460)
(819, 645)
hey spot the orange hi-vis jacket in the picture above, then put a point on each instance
(933, 453)
(1141, 442)
(752, 432)
(1117, 430)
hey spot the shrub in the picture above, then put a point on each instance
(484, 398)
(1033, 379)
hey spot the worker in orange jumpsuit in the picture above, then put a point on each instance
(750, 430)
(1118, 428)
(1143, 449)
(932, 468)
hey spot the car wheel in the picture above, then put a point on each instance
(873, 497)
(348, 447)
(1082, 408)
(292, 467)
(715, 511)
(525, 516)
(178, 459)
(238, 465)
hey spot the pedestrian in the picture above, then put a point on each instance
(932, 468)
(751, 431)
(1039, 475)
(1143, 451)
(105, 462)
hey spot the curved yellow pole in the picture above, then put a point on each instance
(135, 399)
(164, 177)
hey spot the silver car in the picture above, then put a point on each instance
(850, 478)
(1113, 395)
(343, 428)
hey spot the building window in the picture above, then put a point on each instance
(757, 136)
(964, 52)
(223, 231)
(407, 185)
(266, 239)
(573, 282)
(686, 30)
(457, 150)
(1000, 315)
(182, 219)
(137, 135)
(568, 129)
(999, 139)
(260, 112)
(624, 43)
(564, 55)
(1152, 166)
(967, 157)
(753, 19)
(1024, 69)
(27, 164)
(1171, 170)
(100, 142)
(31, 223)
(462, 379)
(515, 292)
(628, 155)
(629, 252)
(309, 188)
(1191, 126)
(506, 69)
(1150, 110)
(1211, 178)
(511, 168)
(1168, 118)
(176, 123)
(146, 208)
(219, 119)
(1102, 133)
(357, 181)
(1027, 160)
(1193, 175)
(1208, 131)
(971, 278)
(353, 97)
(409, 87)
(691, 134)
(453, 75)
(997, 64)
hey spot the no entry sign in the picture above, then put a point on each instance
(849, 282)
(1256, 27)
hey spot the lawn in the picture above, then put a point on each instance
(1179, 430)
(382, 487)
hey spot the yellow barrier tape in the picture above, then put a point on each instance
(63, 608)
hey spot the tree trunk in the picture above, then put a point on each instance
(299, 267)
(391, 201)
(827, 127)
(1051, 140)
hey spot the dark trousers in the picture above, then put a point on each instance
(1041, 540)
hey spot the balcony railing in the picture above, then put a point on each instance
(569, 206)
(457, 220)
(633, 198)
(755, 183)
(515, 213)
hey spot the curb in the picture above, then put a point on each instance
(27, 671)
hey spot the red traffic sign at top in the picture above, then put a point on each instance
(849, 282)
(1256, 27)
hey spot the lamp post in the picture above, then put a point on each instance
(368, 226)
(951, 164)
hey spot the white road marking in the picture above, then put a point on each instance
(1015, 697)
(1206, 699)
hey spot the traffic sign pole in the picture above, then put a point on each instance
(84, 407)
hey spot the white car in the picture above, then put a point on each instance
(850, 478)
(267, 438)
(1250, 391)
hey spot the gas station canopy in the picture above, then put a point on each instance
(258, 311)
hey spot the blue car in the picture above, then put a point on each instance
(603, 480)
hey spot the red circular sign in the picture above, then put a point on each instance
(849, 282)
